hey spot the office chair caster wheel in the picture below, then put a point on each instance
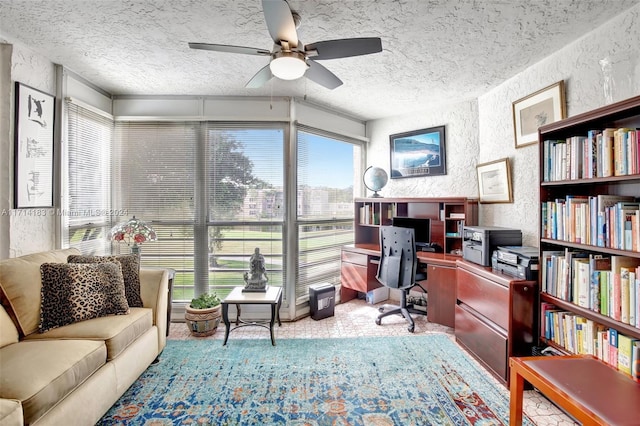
(411, 328)
(378, 322)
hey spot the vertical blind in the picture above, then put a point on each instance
(87, 213)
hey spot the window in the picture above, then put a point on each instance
(86, 217)
(327, 168)
(245, 199)
(154, 177)
(212, 192)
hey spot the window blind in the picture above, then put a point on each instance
(87, 213)
(326, 172)
(245, 199)
(153, 176)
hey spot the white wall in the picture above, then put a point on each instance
(483, 131)
(27, 230)
(578, 65)
(461, 134)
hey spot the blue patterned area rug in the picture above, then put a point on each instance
(413, 380)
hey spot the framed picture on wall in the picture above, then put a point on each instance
(33, 152)
(542, 107)
(494, 181)
(418, 153)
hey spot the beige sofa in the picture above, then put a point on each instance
(71, 375)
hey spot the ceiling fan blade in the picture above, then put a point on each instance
(230, 49)
(260, 78)
(280, 21)
(344, 48)
(322, 76)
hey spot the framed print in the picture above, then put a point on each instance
(494, 181)
(418, 153)
(33, 153)
(542, 107)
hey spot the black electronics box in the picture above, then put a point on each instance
(517, 261)
(322, 300)
(479, 242)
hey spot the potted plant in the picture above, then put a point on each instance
(203, 314)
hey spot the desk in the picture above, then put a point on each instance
(358, 274)
(587, 388)
(272, 297)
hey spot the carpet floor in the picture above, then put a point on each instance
(417, 380)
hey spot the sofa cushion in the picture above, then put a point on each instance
(41, 373)
(20, 284)
(8, 330)
(118, 332)
(78, 292)
(130, 270)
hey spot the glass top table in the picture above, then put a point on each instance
(238, 297)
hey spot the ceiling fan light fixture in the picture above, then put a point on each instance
(288, 65)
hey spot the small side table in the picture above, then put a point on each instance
(272, 297)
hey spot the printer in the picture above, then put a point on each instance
(516, 261)
(479, 242)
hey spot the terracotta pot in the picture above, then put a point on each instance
(203, 322)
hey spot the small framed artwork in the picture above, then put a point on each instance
(33, 164)
(494, 181)
(542, 107)
(418, 153)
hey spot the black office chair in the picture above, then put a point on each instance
(397, 269)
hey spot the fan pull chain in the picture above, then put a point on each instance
(271, 99)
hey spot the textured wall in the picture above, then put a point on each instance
(461, 133)
(483, 131)
(578, 64)
(31, 230)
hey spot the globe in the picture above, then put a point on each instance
(375, 179)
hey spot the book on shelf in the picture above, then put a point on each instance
(613, 347)
(603, 202)
(620, 264)
(598, 266)
(625, 353)
(599, 153)
(454, 215)
(635, 361)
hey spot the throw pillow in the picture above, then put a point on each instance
(77, 292)
(130, 270)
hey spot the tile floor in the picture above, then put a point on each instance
(357, 318)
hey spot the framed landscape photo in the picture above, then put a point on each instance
(494, 181)
(418, 153)
(33, 153)
(542, 107)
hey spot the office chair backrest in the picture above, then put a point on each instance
(398, 259)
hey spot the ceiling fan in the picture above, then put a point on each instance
(290, 59)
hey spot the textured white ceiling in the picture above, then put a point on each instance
(434, 51)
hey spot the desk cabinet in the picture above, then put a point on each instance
(494, 316)
(357, 273)
(441, 291)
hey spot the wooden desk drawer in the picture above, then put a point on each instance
(484, 296)
(354, 276)
(356, 258)
(488, 344)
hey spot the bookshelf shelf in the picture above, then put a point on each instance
(599, 205)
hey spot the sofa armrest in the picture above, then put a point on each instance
(11, 412)
(154, 290)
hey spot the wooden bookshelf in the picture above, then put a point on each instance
(447, 215)
(556, 200)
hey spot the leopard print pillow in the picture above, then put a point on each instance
(75, 292)
(130, 270)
